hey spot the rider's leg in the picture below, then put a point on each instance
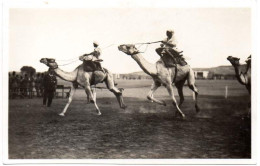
(159, 51)
(173, 58)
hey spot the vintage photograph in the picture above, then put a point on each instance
(129, 83)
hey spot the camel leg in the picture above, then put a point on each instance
(179, 86)
(94, 93)
(88, 98)
(171, 93)
(92, 97)
(93, 90)
(191, 84)
(69, 101)
(111, 86)
(150, 97)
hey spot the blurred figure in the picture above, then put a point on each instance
(41, 84)
(21, 86)
(50, 84)
(38, 84)
(30, 85)
(14, 86)
(18, 85)
(25, 85)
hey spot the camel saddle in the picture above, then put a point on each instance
(171, 57)
(91, 66)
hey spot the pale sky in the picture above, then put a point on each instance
(206, 35)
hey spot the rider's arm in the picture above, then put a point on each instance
(168, 43)
(82, 56)
(89, 54)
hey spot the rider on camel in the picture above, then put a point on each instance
(168, 46)
(96, 53)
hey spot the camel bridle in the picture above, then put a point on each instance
(55, 66)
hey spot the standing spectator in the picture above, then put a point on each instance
(18, 85)
(14, 85)
(21, 86)
(41, 84)
(25, 85)
(30, 85)
(38, 84)
(50, 83)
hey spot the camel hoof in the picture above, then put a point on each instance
(183, 116)
(163, 103)
(124, 107)
(149, 98)
(197, 108)
(177, 113)
(62, 114)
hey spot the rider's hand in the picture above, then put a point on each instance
(164, 42)
(81, 57)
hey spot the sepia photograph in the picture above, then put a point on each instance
(123, 80)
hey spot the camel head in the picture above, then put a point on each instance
(128, 49)
(233, 60)
(248, 61)
(49, 62)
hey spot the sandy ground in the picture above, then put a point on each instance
(144, 130)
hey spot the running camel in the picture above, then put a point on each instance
(164, 76)
(85, 79)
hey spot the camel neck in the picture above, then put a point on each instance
(67, 76)
(147, 67)
(240, 76)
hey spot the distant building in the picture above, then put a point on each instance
(230, 77)
(224, 76)
(217, 73)
(116, 76)
(218, 76)
(201, 74)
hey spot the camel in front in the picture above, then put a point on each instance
(162, 75)
(243, 78)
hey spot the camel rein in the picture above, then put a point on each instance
(147, 43)
(73, 60)
(68, 63)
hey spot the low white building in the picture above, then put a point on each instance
(201, 74)
(116, 76)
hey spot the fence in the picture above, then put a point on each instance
(61, 91)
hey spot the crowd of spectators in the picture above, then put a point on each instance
(27, 85)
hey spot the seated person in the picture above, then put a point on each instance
(91, 61)
(168, 47)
